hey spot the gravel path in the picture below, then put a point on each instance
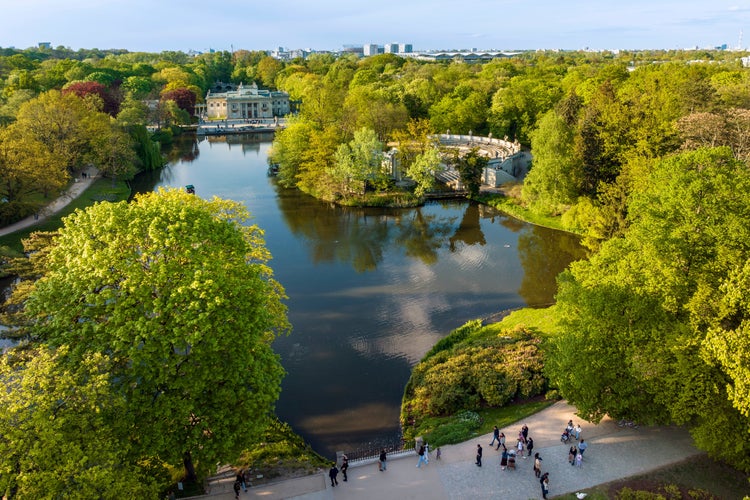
(613, 453)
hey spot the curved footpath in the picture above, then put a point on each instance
(613, 453)
(75, 190)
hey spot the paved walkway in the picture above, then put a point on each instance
(613, 453)
(78, 187)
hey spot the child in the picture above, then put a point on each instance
(437, 453)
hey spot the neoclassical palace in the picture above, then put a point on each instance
(241, 101)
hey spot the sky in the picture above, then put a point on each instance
(158, 25)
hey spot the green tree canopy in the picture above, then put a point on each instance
(174, 292)
(653, 323)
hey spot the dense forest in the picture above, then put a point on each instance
(645, 154)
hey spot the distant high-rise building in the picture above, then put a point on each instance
(404, 48)
(370, 49)
(391, 48)
(45, 45)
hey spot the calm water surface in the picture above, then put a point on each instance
(370, 290)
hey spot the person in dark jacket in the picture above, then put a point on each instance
(495, 436)
(479, 455)
(381, 462)
(333, 472)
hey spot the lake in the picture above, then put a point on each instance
(370, 290)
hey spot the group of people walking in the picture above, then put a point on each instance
(524, 447)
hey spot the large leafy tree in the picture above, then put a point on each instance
(84, 89)
(551, 183)
(56, 430)
(27, 167)
(653, 323)
(63, 124)
(358, 162)
(175, 293)
(470, 166)
(423, 169)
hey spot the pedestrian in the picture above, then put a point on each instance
(381, 461)
(582, 446)
(572, 455)
(529, 446)
(421, 454)
(569, 427)
(437, 453)
(519, 447)
(579, 459)
(241, 479)
(525, 432)
(537, 465)
(332, 473)
(479, 455)
(427, 453)
(237, 489)
(544, 481)
(501, 441)
(495, 436)
(504, 458)
(577, 432)
(344, 465)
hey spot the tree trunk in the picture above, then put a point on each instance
(187, 461)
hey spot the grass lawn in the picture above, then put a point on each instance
(510, 207)
(439, 431)
(100, 190)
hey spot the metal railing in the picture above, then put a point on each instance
(373, 452)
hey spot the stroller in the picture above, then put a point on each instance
(511, 460)
(565, 436)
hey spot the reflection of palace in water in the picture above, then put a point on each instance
(248, 142)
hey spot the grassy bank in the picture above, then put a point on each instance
(509, 206)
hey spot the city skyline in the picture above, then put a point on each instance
(328, 25)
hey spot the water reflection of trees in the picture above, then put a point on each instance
(544, 254)
(361, 235)
(469, 230)
(184, 148)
